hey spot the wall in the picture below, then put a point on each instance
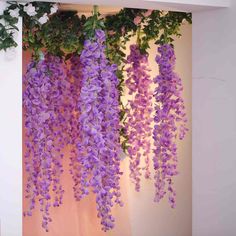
(174, 5)
(214, 126)
(11, 140)
(140, 216)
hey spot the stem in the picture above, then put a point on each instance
(139, 36)
(165, 36)
(95, 16)
(95, 10)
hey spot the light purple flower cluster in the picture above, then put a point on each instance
(74, 76)
(139, 114)
(99, 129)
(46, 122)
(170, 122)
(78, 106)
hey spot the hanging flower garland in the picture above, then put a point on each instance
(99, 129)
(82, 109)
(74, 76)
(170, 122)
(46, 119)
(139, 113)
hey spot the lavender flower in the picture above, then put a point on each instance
(74, 76)
(99, 129)
(170, 122)
(139, 113)
(46, 117)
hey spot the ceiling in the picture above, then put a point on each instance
(174, 5)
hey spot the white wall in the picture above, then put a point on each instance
(176, 5)
(214, 122)
(11, 140)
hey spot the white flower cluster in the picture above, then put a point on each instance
(14, 13)
(42, 20)
(54, 9)
(32, 11)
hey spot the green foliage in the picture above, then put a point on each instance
(92, 23)
(170, 26)
(122, 23)
(161, 26)
(65, 32)
(7, 28)
(8, 24)
(32, 29)
(59, 36)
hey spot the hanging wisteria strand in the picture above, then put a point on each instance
(45, 118)
(99, 129)
(139, 113)
(170, 123)
(74, 77)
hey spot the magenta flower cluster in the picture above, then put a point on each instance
(139, 113)
(98, 145)
(170, 122)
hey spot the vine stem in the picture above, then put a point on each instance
(165, 36)
(95, 10)
(139, 36)
(95, 15)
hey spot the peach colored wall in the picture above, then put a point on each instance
(140, 216)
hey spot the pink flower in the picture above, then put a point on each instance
(138, 114)
(123, 30)
(148, 13)
(170, 121)
(137, 20)
(111, 32)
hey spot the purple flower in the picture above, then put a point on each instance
(170, 122)
(98, 144)
(139, 114)
(48, 112)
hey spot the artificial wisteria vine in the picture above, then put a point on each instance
(139, 113)
(46, 119)
(170, 122)
(73, 99)
(74, 77)
(99, 129)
